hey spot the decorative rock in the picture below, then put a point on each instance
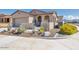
(47, 33)
(29, 31)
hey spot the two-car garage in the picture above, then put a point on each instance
(20, 17)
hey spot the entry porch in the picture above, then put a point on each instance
(47, 21)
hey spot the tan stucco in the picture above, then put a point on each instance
(30, 19)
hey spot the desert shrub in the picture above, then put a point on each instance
(17, 30)
(27, 25)
(68, 29)
(23, 26)
(41, 29)
(8, 27)
(20, 30)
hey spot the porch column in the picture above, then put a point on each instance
(42, 20)
(11, 22)
(0, 20)
(51, 23)
(3, 20)
(34, 20)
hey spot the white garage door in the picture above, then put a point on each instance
(19, 21)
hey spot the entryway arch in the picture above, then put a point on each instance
(37, 21)
(46, 18)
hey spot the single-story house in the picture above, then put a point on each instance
(36, 17)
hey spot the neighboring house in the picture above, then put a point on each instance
(36, 17)
(61, 20)
(4, 20)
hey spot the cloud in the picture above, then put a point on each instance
(70, 17)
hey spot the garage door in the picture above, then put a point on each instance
(19, 21)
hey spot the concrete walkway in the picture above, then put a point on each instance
(16, 42)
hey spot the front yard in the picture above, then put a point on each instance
(34, 39)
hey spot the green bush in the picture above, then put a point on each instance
(68, 29)
(41, 29)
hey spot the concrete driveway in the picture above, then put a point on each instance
(18, 43)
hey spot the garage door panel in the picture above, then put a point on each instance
(19, 21)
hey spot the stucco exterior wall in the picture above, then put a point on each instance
(31, 18)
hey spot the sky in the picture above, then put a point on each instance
(67, 13)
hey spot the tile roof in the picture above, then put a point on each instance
(34, 12)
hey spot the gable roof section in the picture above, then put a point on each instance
(35, 11)
(19, 11)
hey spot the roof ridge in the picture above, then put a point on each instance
(38, 10)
